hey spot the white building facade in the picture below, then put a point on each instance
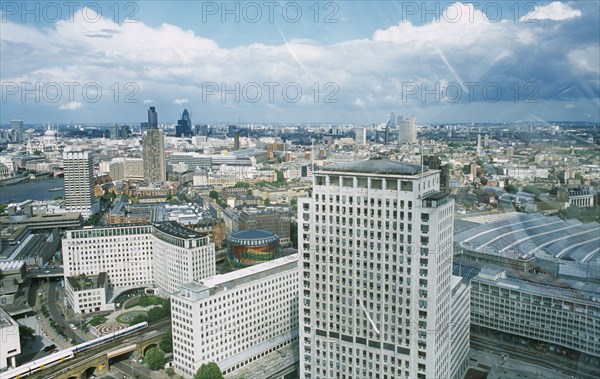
(180, 256)
(558, 316)
(375, 245)
(236, 318)
(87, 294)
(79, 183)
(460, 328)
(133, 255)
(10, 342)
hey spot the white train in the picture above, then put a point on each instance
(63, 355)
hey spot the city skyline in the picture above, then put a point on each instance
(425, 62)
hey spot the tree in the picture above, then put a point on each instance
(511, 188)
(166, 342)
(25, 333)
(213, 194)
(58, 197)
(155, 359)
(209, 371)
(242, 185)
(3, 208)
(170, 372)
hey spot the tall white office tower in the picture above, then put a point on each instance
(79, 183)
(360, 136)
(375, 267)
(407, 130)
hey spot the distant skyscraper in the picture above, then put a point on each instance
(184, 126)
(152, 118)
(153, 154)
(236, 141)
(407, 130)
(375, 269)
(119, 131)
(231, 129)
(478, 141)
(79, 183)
(17, 127)
(201, 130)
(360, 136)
(392, 121)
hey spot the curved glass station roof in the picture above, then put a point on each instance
(530, 233)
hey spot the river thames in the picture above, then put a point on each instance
(34, 190)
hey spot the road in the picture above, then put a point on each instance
(526, 354)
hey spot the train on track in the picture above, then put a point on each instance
(66, 354)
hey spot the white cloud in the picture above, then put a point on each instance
(167, 62)
(569, 106)
(586, 59)
(360, 103)
(73, 105)
(555, 11)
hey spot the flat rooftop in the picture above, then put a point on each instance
(376, 166)
(82, 282)
(246, 275)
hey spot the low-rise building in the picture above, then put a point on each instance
(236, 318)
(10, 342)
(87, 294)
(559, 315)
(135, 255)
(12, 274)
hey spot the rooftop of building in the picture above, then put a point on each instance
(533, 234)
(252, 234)
(83, 282)
(6, 266)
(175, 229)
(5, 319)
(377, 166)
(243, 276)
(542, 285)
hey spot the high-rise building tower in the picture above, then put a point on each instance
(375, 247)
(152, 118)
(360, 136)
(392, 121)
(17, 127)
(79, 183)
(407, 130)
(184, 126)
(153, 154)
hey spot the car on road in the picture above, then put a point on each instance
(72, 326)
(49, 347)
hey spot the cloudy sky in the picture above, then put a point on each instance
(287, 62)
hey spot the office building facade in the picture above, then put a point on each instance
(163, 254)
(375, 246)
(79, 183)
(562, 317)
(236, 318)
(184, 126)
(153, 154)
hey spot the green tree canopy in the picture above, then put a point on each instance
(25, 333)
(166, 342)
(213, 194)
(242, 185)
(155, 359)
(209, 371)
